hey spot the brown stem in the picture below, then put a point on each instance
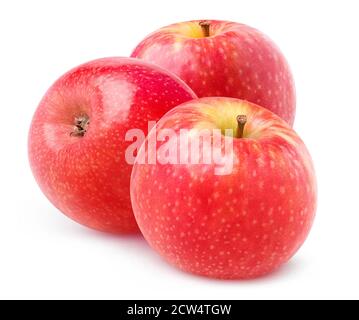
(241, 120)
(205, 25)
(80, 126)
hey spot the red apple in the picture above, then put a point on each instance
(220, 58)
(77, 137)
(235, 225)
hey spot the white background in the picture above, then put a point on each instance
(45, 255)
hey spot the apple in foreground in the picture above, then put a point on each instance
(77, 137)
(221, 58)
(239, 225)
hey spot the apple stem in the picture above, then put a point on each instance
(205, 25)
(241, 120)
(80, 126)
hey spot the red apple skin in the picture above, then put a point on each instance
(87, 177)
(234, 61)
(237, 226)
